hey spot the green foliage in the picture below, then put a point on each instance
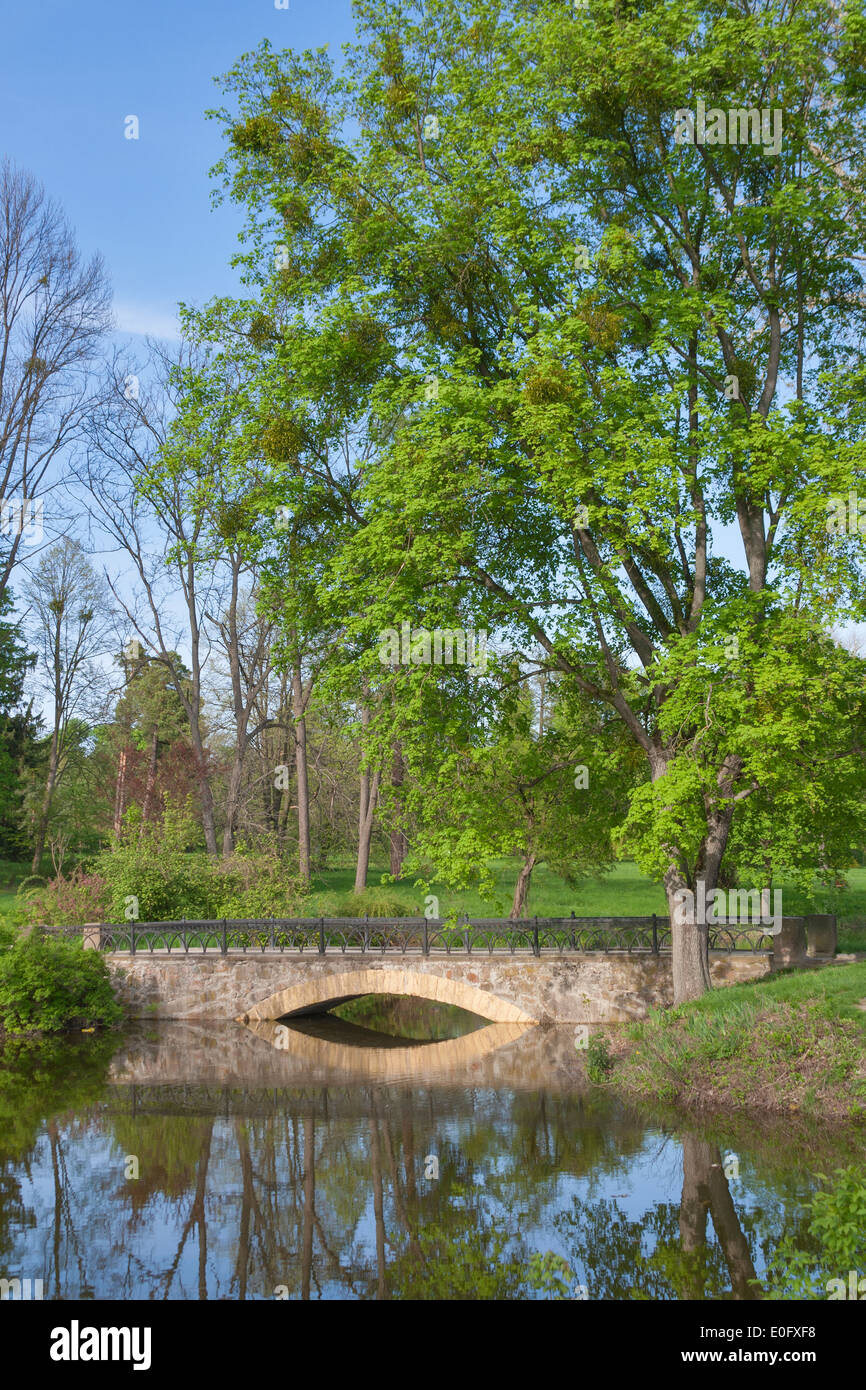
(150, 706)
(48, 1076)
(599, 1063)
(403, 1016)
(18, 730)
(51, 984)
(153, 864)
(256, 881)
(796, 701)
(481, 1263)
(835, 1243)
(80, 807)
(550, 1274)
(282, 440)
(169, 1149)
(484, 780)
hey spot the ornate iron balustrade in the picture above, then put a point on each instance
(407, 935)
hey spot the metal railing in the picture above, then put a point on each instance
(407, 935)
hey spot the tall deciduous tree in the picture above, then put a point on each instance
(72, 609)
(18, 727)
(613, 340)
(154, 509)
(54, 311)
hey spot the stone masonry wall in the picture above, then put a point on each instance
(586, 988)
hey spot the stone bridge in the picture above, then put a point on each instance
(587, 987)
(584, 970)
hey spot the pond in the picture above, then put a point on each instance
(401, 1151)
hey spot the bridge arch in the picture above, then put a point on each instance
(320, 992)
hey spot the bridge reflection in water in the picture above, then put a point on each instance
(398, 1168)
(483, 1166)
(332, 1046)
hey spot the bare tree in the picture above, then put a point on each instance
(72, 607)
(244, 639)
(155, 517)
(54, 310)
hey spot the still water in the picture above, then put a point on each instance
(331, 1159)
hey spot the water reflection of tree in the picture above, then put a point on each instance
(307, 1191)
(40, 1079)
(666, 1253)
(324, 1190)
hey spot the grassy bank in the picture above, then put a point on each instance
(791, 1044)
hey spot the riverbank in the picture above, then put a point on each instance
(794, 1043)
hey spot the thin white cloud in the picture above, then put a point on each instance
(145, 319)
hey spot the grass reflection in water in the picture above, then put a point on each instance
(402, 1016)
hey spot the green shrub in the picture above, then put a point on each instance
(48, 984)
(152, 876)
(599, 1063)
(256, 882)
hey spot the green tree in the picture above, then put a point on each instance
(511, 781)
(18, 729)
(605, 344)
(150, 713)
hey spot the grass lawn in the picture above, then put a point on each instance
(795, 1042)
(12, 872)
(624, 892)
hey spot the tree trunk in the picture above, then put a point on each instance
(204, 788)
(298, 707)
(198, 1213)
(120, 793)
(398, 845)
(45, 810)
(233, 793)
(689, 944)
(732, 1238)
(521, 887)
(378, 1206)
(689, 937)
(283, 816)
(208, 819)
(309, 1204)
(706, 1192)
(366, 815)
(694, 1209)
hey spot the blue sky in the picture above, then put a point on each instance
(71, 73)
